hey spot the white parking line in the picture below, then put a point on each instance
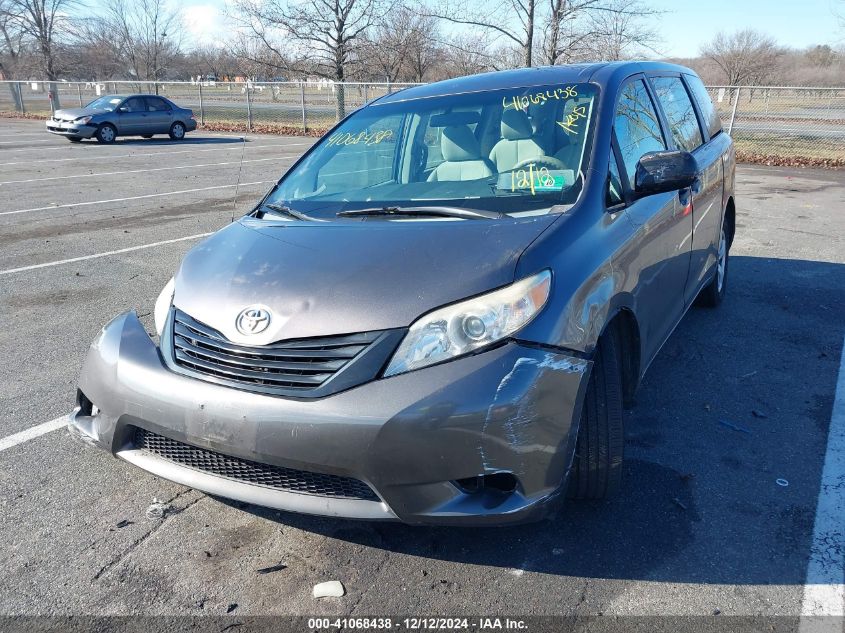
(141, 171)
(824, 588)
(44, 140)
(99, 157)
(33, 432)
(149, 195)
(129, 249)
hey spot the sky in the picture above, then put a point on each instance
(686, 25)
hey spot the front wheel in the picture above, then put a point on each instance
(597, 466)
(106, 133)
(714, 293)
(177, 131)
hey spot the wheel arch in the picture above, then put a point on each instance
(622, 324)
(730, 219)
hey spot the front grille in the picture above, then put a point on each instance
(289, 366)
(249, 472)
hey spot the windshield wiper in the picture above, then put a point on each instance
(443, 212)
(284, 210)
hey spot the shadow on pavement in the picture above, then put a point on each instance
(738, 399)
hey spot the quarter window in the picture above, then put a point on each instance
(613, 195)
(636, 126)
(679, 112)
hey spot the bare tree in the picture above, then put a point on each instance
(746, 57)
(401, 48)
(622, 29)
(44, 21)
(510, 21)
(146, 34)
(320, 36)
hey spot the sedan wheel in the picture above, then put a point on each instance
(106, 133)
(177, 131)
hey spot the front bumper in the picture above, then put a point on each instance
(69, 128)
(410, 437)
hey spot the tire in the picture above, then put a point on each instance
(74, 139)
(106, 133)
(177, 131)
(713, 294)
(597, 465)
(146, 135)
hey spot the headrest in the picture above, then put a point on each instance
(458, 143)
(516, 125)
(449, 119)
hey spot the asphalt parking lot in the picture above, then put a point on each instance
(737, 404)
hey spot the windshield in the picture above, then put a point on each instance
(513, 151)
(105, 103)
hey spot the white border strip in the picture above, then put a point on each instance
(149, 195)
(106, 254)
(824, 588)
(33, 432)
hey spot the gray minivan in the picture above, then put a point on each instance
(439, 312)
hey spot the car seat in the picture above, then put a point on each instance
(517, 142)
(462, 158)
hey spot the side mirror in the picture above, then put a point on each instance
(658, 172)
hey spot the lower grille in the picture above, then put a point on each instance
(249, 472)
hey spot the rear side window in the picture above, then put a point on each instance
(636, 126)
(679, 112)
(705, 105)
(155, 104)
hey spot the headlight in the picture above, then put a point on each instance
(470, 325)
(162, 307)
(83, 120)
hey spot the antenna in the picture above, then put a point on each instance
(238, 185)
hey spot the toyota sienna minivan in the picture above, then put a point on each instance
(439, 312)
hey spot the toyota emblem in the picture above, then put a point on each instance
(253, 320)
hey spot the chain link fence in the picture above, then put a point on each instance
(252, 106)
(771, 122)
(767, 122)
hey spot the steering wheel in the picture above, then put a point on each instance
(541, 161)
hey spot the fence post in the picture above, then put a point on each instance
(733, 112)
(79, 94)
(248, 109)
(20, 96)
(302, 103)
(202, 109)
(366, 94)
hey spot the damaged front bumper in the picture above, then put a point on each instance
(70, 128)
(483, 439)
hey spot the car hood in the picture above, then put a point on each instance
(75, 113)
(344, 277)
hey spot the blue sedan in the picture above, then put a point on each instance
(110, 116)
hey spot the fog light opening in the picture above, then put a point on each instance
(502, 482)
(86, 407)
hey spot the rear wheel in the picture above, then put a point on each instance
(597, 466)
(106, 133)
(714, 293)
(177, 131)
